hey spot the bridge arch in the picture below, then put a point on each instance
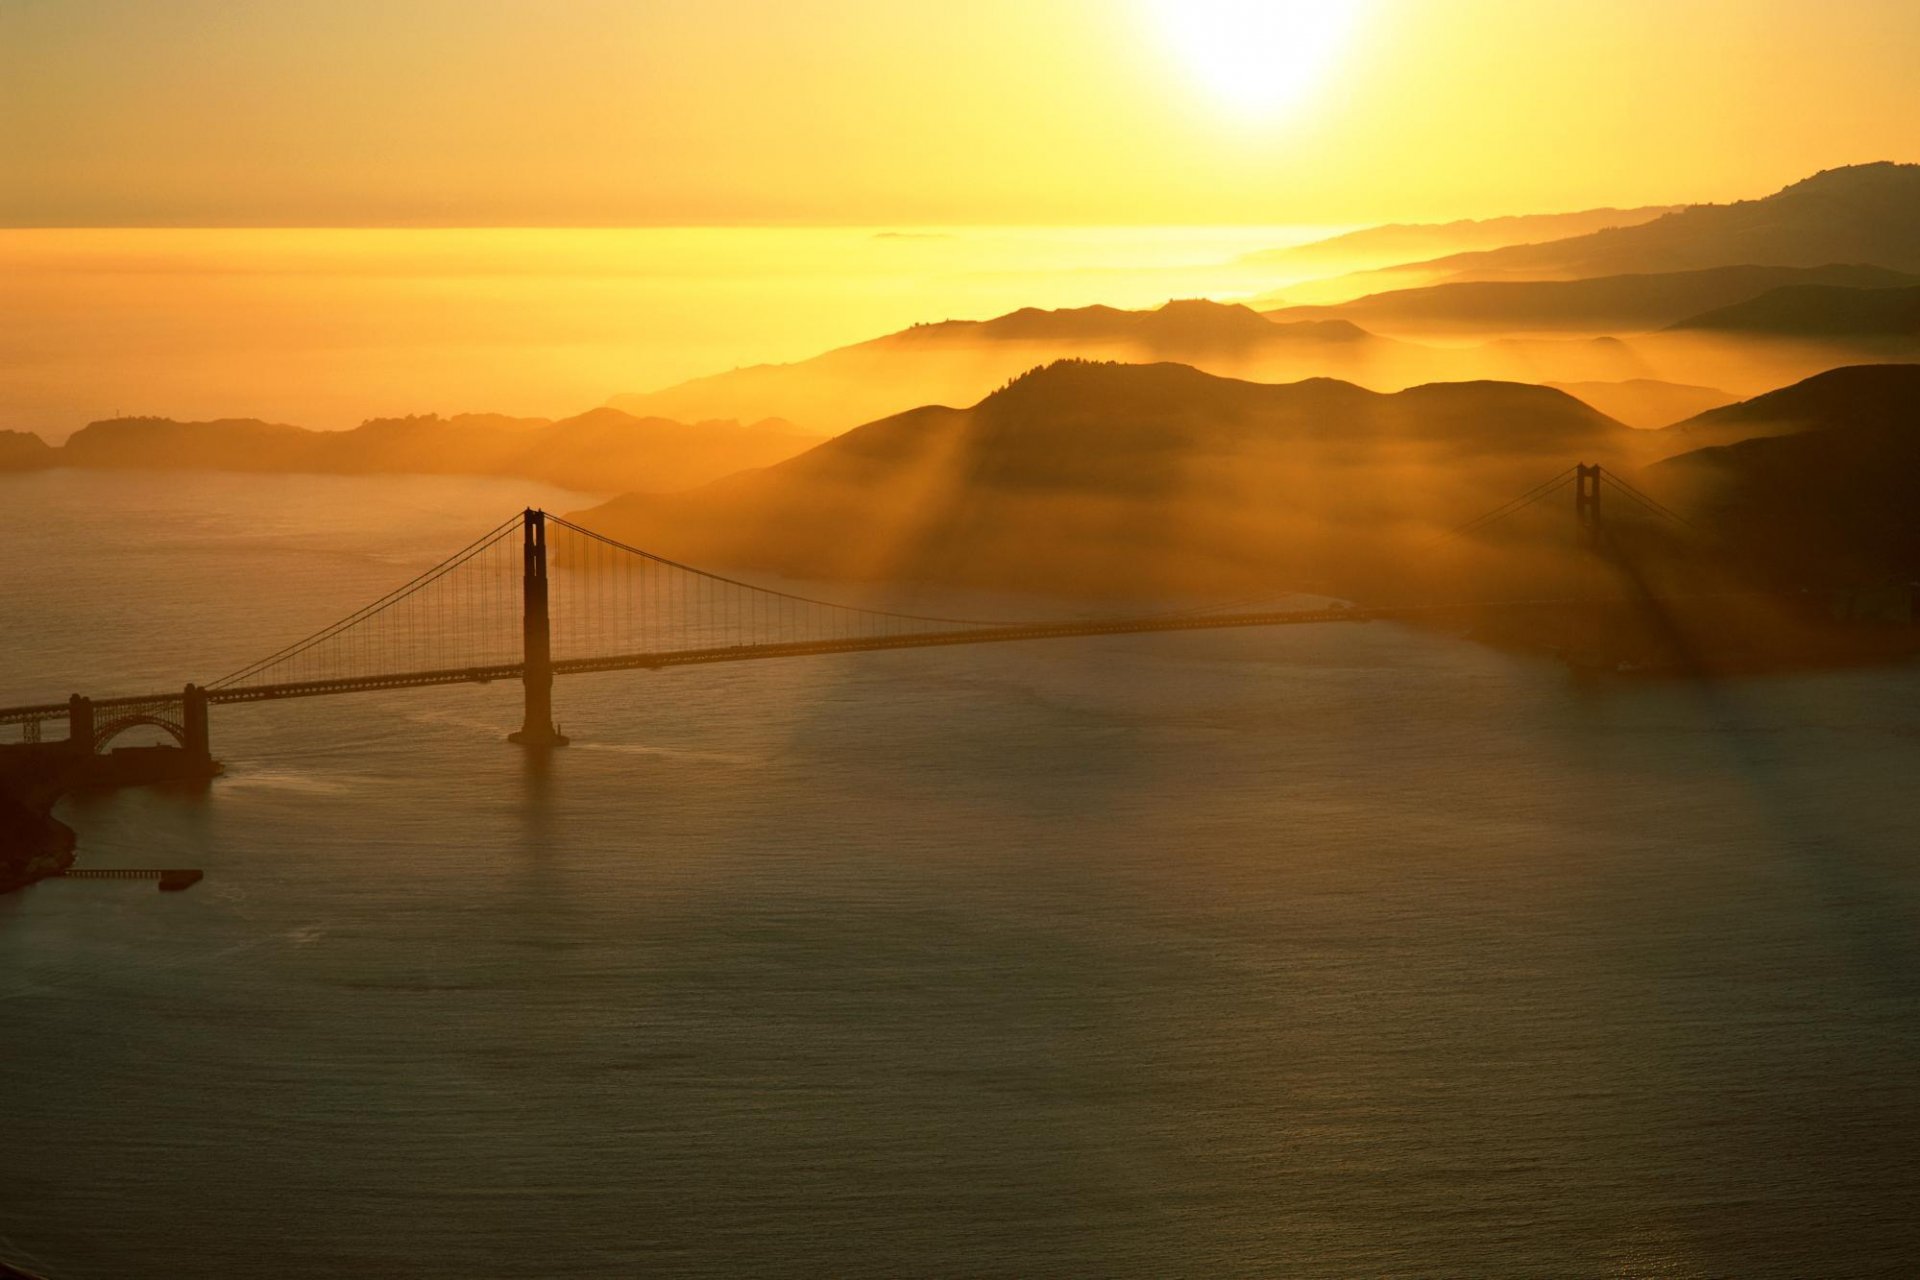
(114, 728)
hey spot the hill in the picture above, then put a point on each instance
(1112, 478)
(1866, 213)
(1195, 324)
(1606, 304)
(598, 451)
(1858, 395)
(1828, 497)
(226, 444)
(1817, 313)
(23, 451)
(958, 361)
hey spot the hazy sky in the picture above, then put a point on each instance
(630, 112)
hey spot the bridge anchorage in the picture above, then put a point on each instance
(87, 758)
(538, 597)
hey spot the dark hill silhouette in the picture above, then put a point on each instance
(23, 451)
(229, 444)
(1818, 313)
(1832, 501)
(958, 361)
(1606, 304)
(597, 451)
(426, 443)
(1863, 213)
(1868, 394)
(1101, 477)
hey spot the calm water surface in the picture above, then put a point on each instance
(1315, 952)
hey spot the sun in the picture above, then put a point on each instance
(1259, 57)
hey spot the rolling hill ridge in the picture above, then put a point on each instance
(1103, 477)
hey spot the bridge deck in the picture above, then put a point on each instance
(740, 653)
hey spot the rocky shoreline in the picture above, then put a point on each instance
(33, 844)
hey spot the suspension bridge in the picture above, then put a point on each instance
(539, 596)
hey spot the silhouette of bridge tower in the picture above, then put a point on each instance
(1586, 504)
(536, 673)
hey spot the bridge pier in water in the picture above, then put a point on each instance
(536, 637)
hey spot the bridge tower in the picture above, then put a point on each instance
(536, 634)
(80, 725)
(1586, 503)
(193, 723)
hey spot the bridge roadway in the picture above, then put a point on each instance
(753, 652)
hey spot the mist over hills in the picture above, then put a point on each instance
(1834, 397)
(1111, 478)
(958, 361)
(1646, 402)
(1199, 443)
(1108, 479)
(1639, 300)
(601, 450)
(1606, 304)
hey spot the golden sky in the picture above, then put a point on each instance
(839, 112)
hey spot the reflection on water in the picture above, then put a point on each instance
(1340, 952)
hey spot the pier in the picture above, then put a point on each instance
(171, 879)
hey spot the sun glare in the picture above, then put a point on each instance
(1260, 57)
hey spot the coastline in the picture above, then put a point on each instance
(33, 843)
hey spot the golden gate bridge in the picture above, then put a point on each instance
(491, 612)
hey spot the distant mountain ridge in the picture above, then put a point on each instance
(1401, 241)
(1603, 304)
(958, 361)
(601, 450)
(1867, 213)
(1815, 312)
(1856, 228)
(1198, 322)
